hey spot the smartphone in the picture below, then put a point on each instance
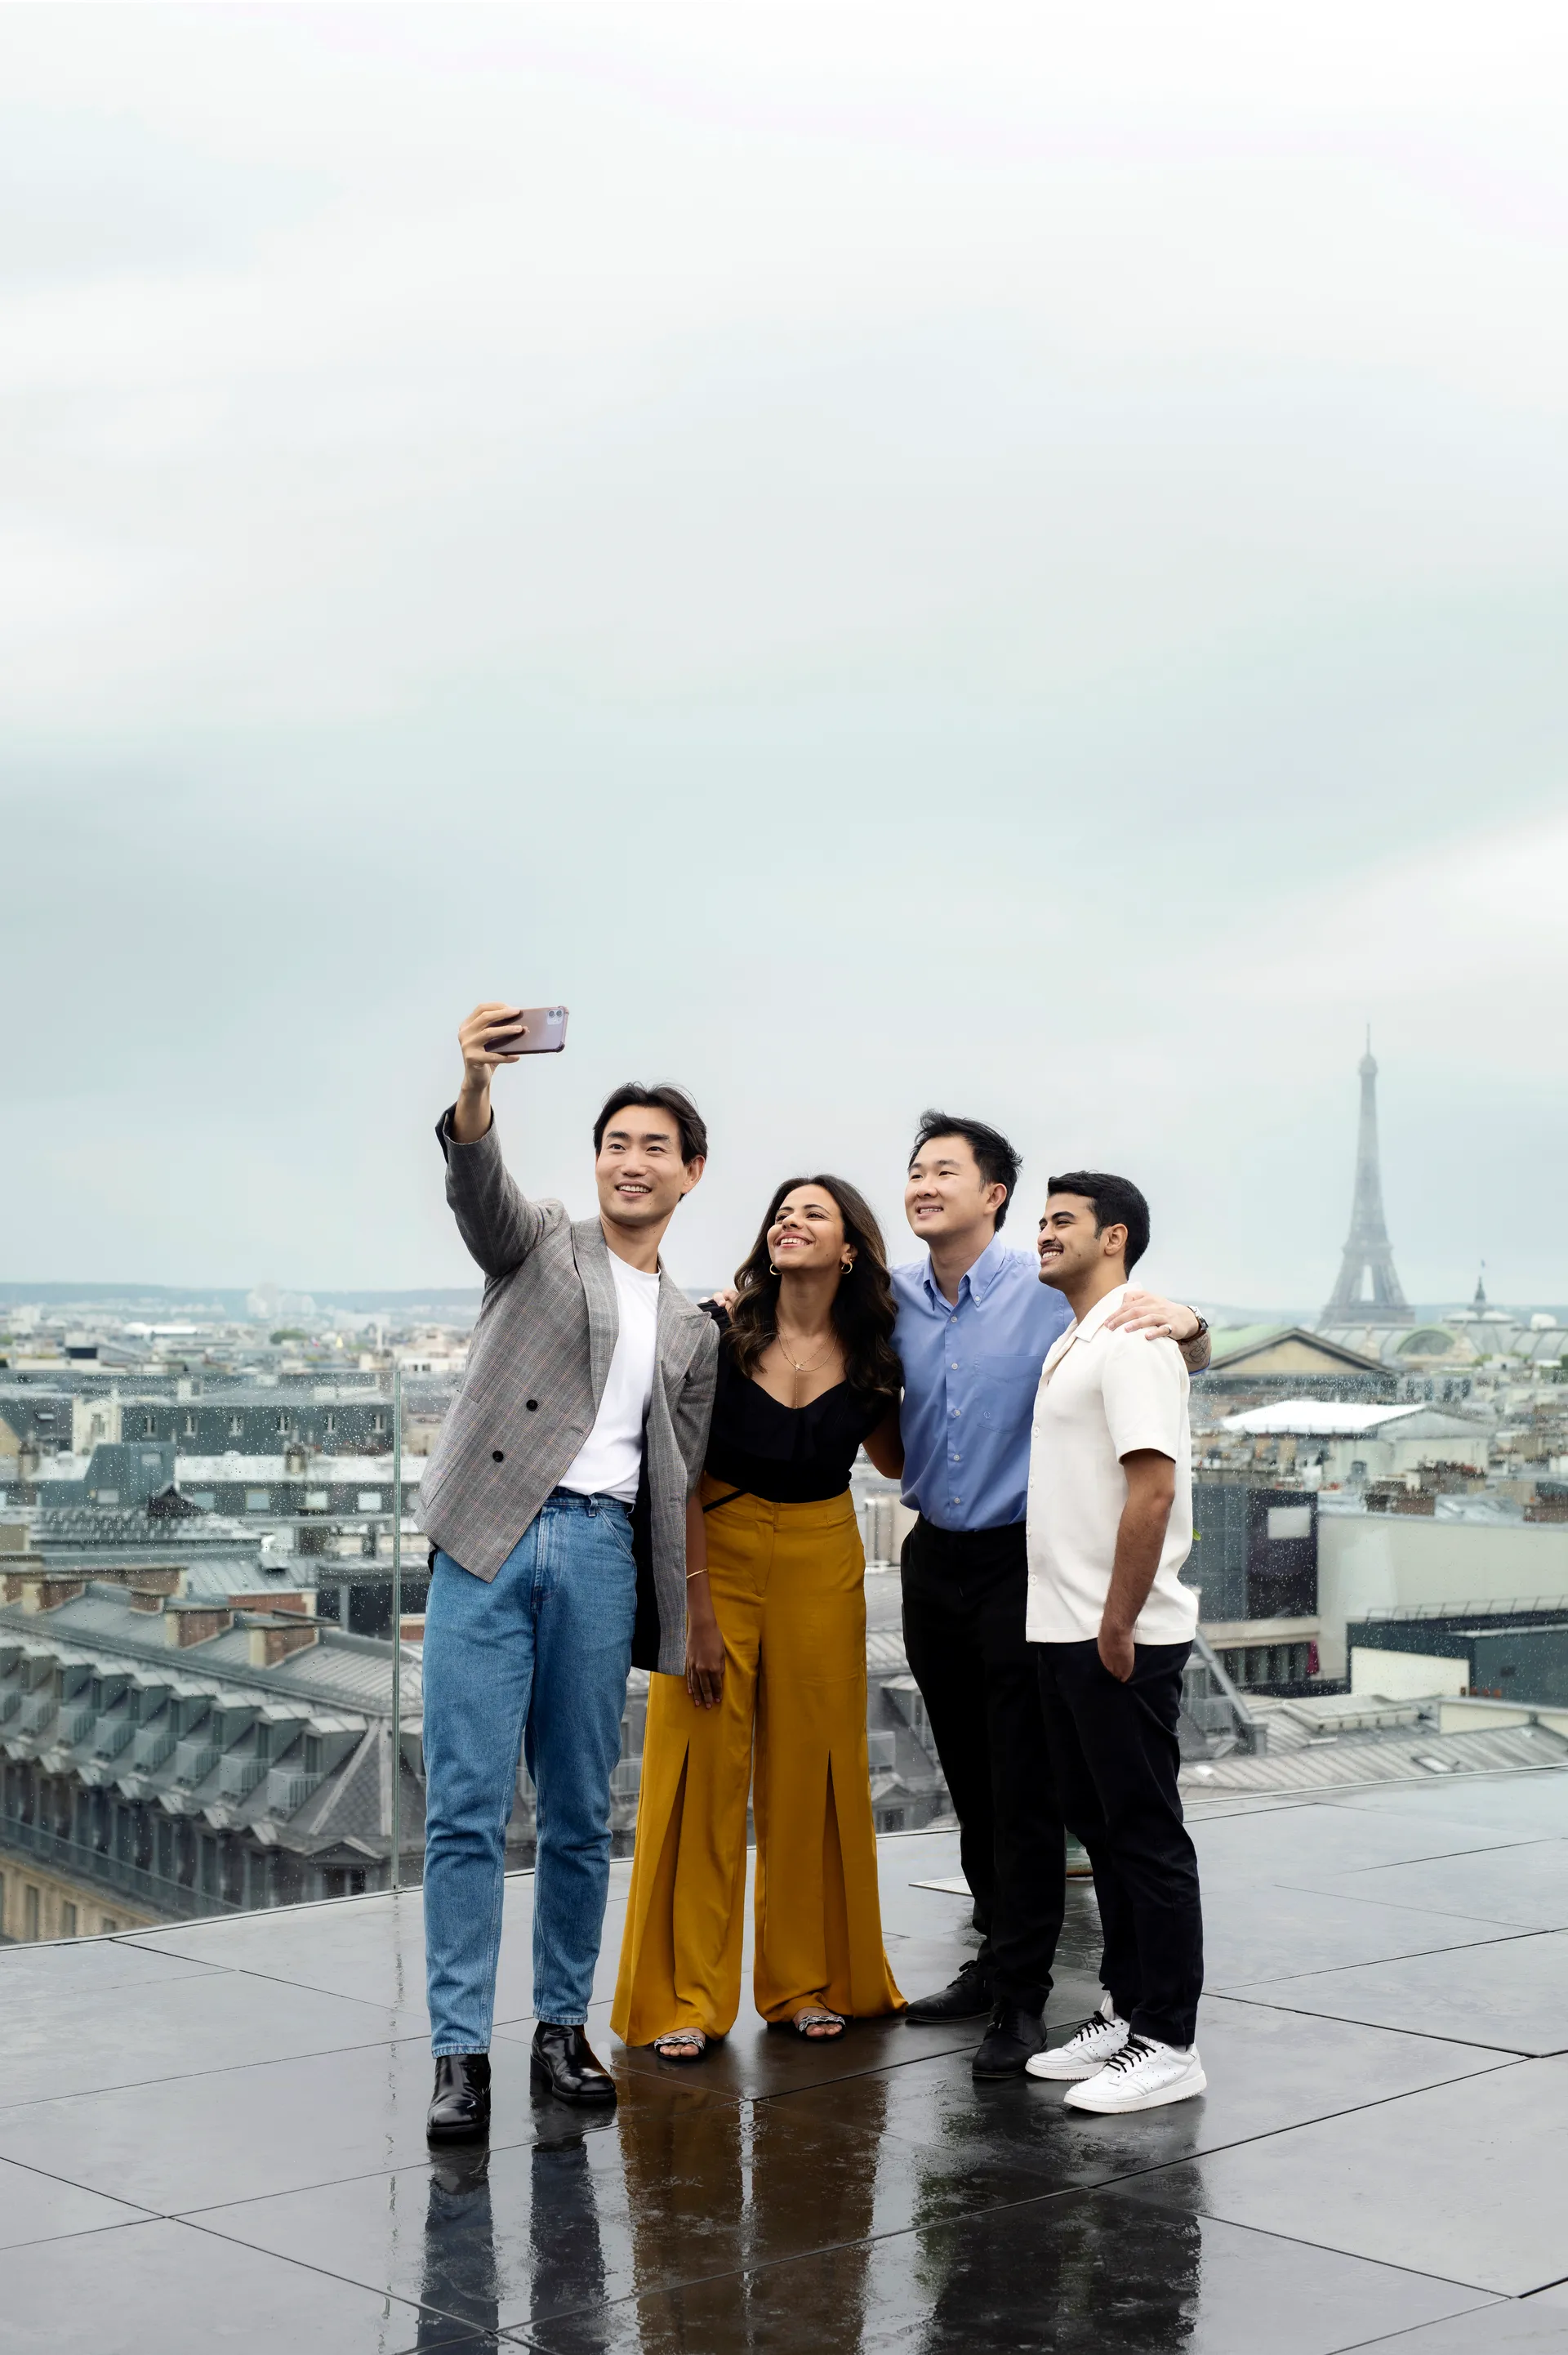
(542, 1032)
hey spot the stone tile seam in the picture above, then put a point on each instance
(416, 2307)
(986, 2208)
(816, 2085)
(414, 2165)
(1400, 1905)
(195, 2076)
(1395, 2340)
(1457, 1855)
(1484, 2299)
(1244, 2141)
(141, 2214)
(1510, 2053)
(1483, 2294)
(1509, 1937)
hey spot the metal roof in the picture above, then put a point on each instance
(1338, 1419)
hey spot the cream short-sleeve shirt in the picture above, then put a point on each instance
(1101, 1396)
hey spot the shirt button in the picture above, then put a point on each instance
(532, 1405)
(954, 1365)
(957, 1411)
(497, 1456)
(952, 1320)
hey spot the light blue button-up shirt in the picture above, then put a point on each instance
(971, 1371)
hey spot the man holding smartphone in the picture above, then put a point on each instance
(556, 1499)
(975, 1322)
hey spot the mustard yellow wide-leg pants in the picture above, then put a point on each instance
(788, 1585)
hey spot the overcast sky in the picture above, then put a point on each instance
(1014, 558)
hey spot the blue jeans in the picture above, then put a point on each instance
(539, 1655)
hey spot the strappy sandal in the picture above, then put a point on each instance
(814, 2017)
(686, 2045)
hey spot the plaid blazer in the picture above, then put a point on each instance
(536, 1371)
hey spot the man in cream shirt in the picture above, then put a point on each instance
(1111, 1524)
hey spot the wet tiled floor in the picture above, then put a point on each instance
(213, 2138)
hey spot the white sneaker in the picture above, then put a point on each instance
(1098, 2041)
(1143, 2075)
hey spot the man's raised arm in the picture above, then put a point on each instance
(497, 1223)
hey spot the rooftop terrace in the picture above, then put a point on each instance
(212, 2136)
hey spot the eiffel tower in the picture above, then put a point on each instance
(1368, 1250)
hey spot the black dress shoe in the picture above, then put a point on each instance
(564, 2064)
(459, 2106)
(969, 1997)
(1012, 2036)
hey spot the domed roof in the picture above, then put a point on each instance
(1428, 1341)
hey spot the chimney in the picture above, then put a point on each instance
(145, 1598)
(303, 1604)
(272, 1639)
(49, 1593)
(185, 1623)
(155, 1582)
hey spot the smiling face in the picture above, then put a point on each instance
(1071, 1252)
(639, 1171)
(945, 1199)
(808, 1233)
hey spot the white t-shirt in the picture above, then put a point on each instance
(609, 1460)
(1102, 1395)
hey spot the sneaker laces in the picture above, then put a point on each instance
(1135, 2050)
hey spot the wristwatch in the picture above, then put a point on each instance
(1203, 1328)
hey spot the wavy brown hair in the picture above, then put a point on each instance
(863, 1310)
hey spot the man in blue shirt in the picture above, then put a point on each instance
(975, 1323)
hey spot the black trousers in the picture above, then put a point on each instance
(964, 1596)
(1116, 1756)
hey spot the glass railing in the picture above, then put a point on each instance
(213, 1582)
(212, 1589)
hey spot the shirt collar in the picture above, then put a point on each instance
(1091, 1324)
(979, 1278)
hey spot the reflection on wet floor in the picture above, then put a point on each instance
(224, 2122)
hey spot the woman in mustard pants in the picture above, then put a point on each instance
(775, 1659)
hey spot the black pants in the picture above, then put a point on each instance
(964, 1595)
(1116, 1756)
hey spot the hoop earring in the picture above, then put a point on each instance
(846, 1267)
(771, 1269)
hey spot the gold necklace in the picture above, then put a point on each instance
(799, 1368)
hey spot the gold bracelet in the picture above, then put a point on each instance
(696, 1573)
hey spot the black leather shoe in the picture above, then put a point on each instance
(969, 1997)
(564, 2064)
(1007, 2042)
(459, 2106)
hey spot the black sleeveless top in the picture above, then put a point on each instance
(786, 1455)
